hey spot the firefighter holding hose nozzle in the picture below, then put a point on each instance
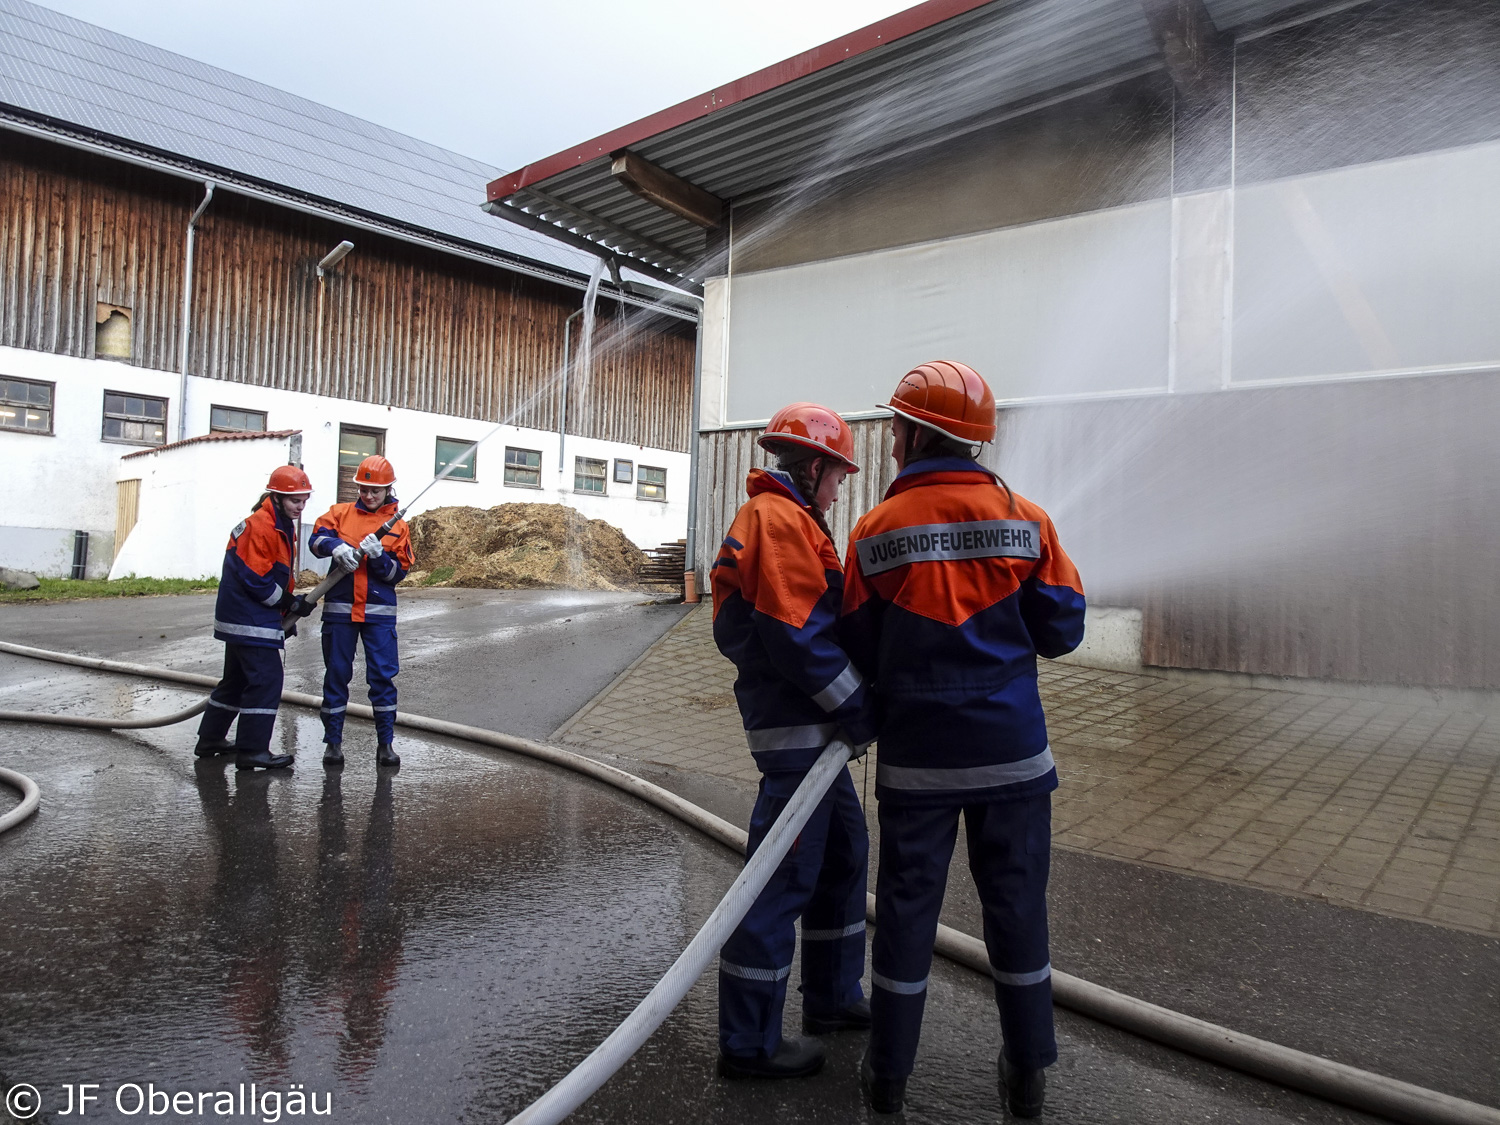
(777, 588)
(255, 592)
(955, 586)
(362, 606)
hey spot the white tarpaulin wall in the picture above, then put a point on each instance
(1378, 269)
(1074, 306)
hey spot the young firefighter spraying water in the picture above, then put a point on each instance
(955, 586)
(362, 606)
(777, 585)
(255, 591)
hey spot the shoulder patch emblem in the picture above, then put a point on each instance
(239, 529)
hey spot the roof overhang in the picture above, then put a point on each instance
(855, 102)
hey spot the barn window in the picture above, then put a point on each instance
(523, 467)
(135, 419)
(588, 474)
(228, 420)
(111, 331)
(460, 454)
(624, 471)
(26, 405)
(651, 484)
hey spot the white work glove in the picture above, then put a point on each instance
(346, 557)
(371, 547)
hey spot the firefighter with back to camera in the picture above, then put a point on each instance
(954, 586)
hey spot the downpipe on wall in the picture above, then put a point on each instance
(1285, 1066)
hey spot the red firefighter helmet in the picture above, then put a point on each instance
(288, 480)
(816, 427)
(375, 471)
(948, 397)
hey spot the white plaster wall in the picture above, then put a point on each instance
(1111, 639)
(65, 481)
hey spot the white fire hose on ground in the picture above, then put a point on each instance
(1286, 1066)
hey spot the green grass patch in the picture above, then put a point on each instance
(63, 589)
(441, 574)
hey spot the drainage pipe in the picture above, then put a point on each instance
(31, 796)
(187, 306)
(1285, 1066)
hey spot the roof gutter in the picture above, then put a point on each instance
(114, 149)
(187, 306)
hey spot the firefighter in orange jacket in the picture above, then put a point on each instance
(362, 607)
(255, 591)
(955, 585)
(777, 586)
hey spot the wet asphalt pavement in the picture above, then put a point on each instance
(442, 944)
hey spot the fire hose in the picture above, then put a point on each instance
(1286, 1066)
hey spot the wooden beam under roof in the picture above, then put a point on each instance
(671, 193)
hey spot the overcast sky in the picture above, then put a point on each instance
(501, 81)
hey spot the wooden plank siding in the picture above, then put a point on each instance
(1336, 532)
(400, 325)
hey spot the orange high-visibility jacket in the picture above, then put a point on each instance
(368, 594)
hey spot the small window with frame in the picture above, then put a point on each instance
(134, 419)
(26, 405)
(589, 475)
(651, 484)
(624, 471)
(460, 454)
(230, 420)
(523, 467)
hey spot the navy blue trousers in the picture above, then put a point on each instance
(250, 689)
(822, 880)
(381, 668)
(1010, 844)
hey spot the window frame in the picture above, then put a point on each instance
(641, 482)
(213, 429)
(506, 482)
(629, 476)
(105, 415)
(579, 461)
(51, 430)
(472, 464)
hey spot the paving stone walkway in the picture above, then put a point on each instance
(1392, 807)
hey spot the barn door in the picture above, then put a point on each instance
(355, 444)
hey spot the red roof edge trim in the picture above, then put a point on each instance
(217, 435)
(846, 47)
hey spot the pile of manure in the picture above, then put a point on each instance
(521, 547)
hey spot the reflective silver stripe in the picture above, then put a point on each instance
(844, 685)
(374, 708)
(973, 777)
(791, 738)
(257, 710)
(899, 987)
(212, 702)
(247, 630)
(275, 597)
(833, 935)
(379, 610)
(1022, 979)
(744, 972)
(339, 710)
(943, 542)
(338, 607)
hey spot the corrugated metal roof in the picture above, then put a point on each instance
(952, 67)
(75, 72)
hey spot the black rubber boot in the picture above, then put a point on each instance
(793, 1058)
(262, 760)
(385, 755)
(333, 755)
(211, 747)
(882, 1094)
(1024, 1091)
(856, 1017)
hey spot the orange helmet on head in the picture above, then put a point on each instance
(814, 427)
(288, 480)
(948, 397)
(375, 471)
